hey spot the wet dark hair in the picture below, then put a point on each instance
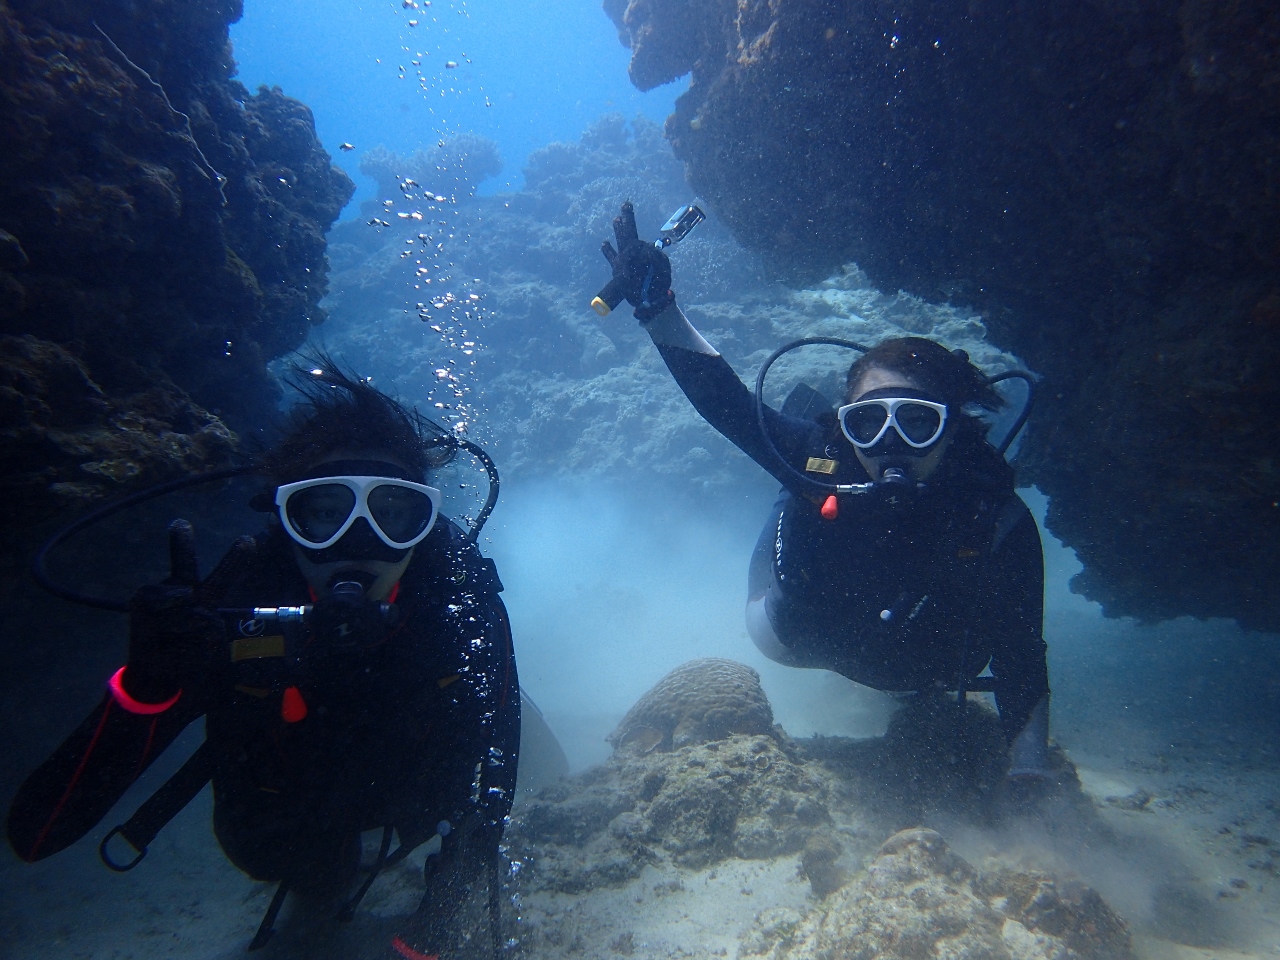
(948, 375)
(341, 411)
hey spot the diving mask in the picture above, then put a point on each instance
(920, 423)
(318, 512)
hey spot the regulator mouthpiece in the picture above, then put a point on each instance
(346, 588)
(896, 488)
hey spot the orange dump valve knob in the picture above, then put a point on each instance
(830, 508)
(292, 708)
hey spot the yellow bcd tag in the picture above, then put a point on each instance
(251, 648)
(821, 465)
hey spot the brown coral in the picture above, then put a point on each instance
(744, 796)
(725, 783)
(702, 700)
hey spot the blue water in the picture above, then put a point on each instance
(527, 74)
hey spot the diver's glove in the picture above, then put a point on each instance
(641, 272)
(173, 625)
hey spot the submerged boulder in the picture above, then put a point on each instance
(917, 899)
(699, 774)
(699, 701)
(691, 823)
(743, 796)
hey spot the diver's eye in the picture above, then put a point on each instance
(918, 422)
(865, 422)
(402, 513)
(318, 512)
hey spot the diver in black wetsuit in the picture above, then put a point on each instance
(393, 704)
(929, 580)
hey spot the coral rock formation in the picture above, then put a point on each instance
(741, 796)
(63, 440)
(721, 785)
(702, 700)
(161, 229)
(1099, 180)
(918, 899)
(671, 822)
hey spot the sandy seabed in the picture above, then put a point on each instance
(1185, 849)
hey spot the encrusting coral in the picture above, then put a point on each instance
(917, 899)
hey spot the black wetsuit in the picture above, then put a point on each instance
(422, 726)
(896, 597)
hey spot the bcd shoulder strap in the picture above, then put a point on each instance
(1007, 517)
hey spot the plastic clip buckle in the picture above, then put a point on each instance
(106, 857)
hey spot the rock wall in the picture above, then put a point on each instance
(162, 236)
(1099, 180)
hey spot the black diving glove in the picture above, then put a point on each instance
(641, 272)
(173, 625)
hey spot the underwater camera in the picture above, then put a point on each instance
(678, 226)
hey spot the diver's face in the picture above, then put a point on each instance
(359, 554)
(891, 451)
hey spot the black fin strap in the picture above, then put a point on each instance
(402, 851)
(348, 911)
(267, 927)
(162, 806)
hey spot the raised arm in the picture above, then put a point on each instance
(723, 400)
(642, 276)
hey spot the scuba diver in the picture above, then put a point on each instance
(898, 553)
(354, 666)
